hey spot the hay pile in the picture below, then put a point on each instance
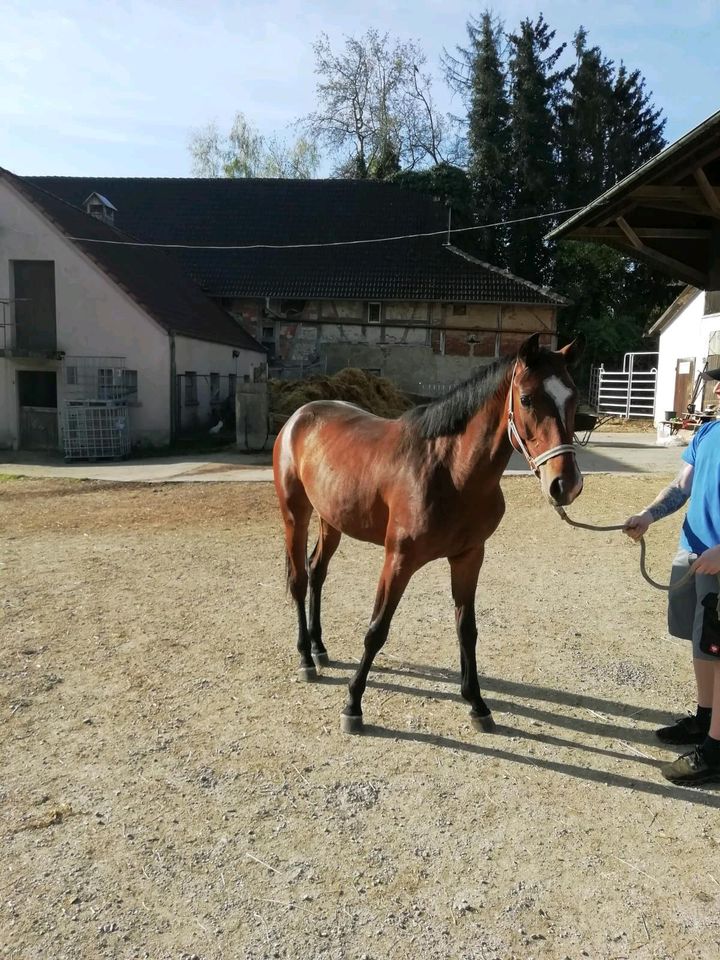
(375, 394)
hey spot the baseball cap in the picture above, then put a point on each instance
(710, 374)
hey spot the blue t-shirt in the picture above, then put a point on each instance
(701, 529)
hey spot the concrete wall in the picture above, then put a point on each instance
(413, 368)
(687, 337)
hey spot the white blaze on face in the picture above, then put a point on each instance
(559, 393)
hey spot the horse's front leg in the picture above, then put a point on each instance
(395, 576)
(464, 572)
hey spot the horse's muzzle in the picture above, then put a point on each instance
(563, 490)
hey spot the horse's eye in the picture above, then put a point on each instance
(525, 400)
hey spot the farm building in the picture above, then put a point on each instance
(689, 341)
(667, 214)
(103, 346)
(298, 264)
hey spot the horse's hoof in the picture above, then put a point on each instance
(483, 722)
(307, 674)
(322, 659)
(351, 724)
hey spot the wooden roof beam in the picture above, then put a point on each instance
(668, 193)
(707, 190)
(679, 199)
(654, 257)
(644, 233)
(629, 233)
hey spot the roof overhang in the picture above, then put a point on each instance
(666, 213)
(673, 311)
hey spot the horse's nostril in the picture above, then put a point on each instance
(563, 490)
(559, 490)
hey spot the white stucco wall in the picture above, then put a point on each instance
(94, 318)
(204, 358)
(687, 337)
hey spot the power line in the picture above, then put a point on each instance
(334, 243)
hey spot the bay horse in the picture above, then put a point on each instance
(423, 486)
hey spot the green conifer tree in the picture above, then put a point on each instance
(537, 91)
(489, 170)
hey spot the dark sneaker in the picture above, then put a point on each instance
(686, 730)
(690, 769)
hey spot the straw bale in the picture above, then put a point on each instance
(375, 394)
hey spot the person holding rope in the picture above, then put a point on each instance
(692, 604)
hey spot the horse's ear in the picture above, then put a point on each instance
(573, 350)
(530, 350)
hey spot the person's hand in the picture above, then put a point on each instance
(637, 525)
(708, 562)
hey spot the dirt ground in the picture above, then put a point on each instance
(170, 791)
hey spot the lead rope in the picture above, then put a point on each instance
(643, 569)
(686, 577)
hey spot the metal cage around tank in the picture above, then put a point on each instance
(95, 414)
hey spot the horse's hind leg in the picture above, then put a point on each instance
(395, 576)
(296, 510)
(325, 547)
(464, 571)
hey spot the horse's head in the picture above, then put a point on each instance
(541, 417)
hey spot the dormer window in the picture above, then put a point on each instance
(100, 207)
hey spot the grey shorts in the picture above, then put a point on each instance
(685, 610)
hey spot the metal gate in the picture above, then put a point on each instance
(628, 393)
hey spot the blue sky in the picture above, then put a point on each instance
(114, 87)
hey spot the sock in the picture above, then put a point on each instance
(711, 750)
(703, 716)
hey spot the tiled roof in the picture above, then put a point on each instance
(152, 278)
(223, 213)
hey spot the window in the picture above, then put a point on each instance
(712, 301)
(191, 393)
(268, 334)
(374, 311)
(459, 310)
(292, 308)
(71, 376)
(128, 384)
(214, 388)
(105, 383)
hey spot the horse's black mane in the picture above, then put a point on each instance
(450, 414)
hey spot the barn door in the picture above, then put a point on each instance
(34, 293)
(37, 402)
(684, 384)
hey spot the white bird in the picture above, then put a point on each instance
(217, 428)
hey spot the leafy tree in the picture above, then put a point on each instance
(375, 110)
(448, 183)
(244, 152)
(613, 300)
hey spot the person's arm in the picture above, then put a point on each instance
(667, 501)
